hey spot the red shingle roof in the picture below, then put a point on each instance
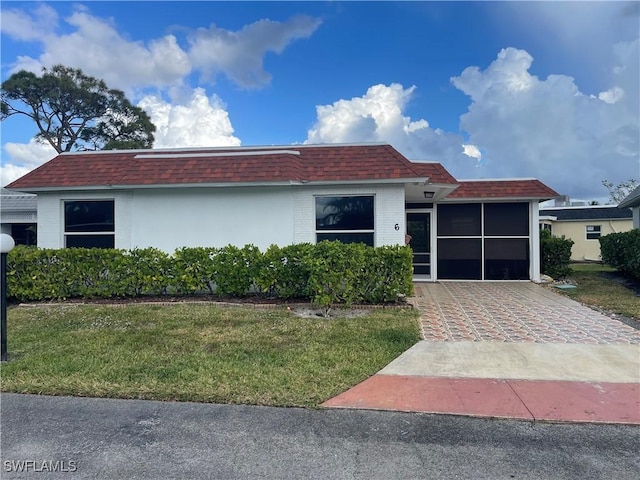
(526, 188)
(296, 163)
(232, 165)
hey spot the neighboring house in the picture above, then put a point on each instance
(585, 225)
(632, 201)
(18, 216)
(283, 195)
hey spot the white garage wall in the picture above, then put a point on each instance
(197, 217)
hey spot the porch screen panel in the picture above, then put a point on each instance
(506, 219)
(506, 259)
(460, 258)
(459, 220)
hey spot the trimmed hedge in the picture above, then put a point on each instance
(328, 273)
(555, 255)
(622, 251)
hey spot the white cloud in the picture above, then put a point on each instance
(201, 122)
(22, 26)
(100, 50)
(549, 129)
(20, 158)
(518, 125)
(612, 95)
(239, 55)
(472, 151)
(378, 116)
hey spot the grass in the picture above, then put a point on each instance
(594, 289)
(198, 353)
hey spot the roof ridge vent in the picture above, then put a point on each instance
(218, 154)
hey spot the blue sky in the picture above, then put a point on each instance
(489, 89)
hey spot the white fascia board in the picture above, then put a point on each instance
(490, 199)
(227, 184)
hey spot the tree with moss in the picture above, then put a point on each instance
(73, 111)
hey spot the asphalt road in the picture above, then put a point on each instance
(131, 439)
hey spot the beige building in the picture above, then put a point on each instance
(585, 225)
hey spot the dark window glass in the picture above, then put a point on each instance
(506, 219)
(344, 213)
(506, 259)
(459, 220)
(593, 232)
(89, 216)
(24, 233)
(91, 241)
(366, 238)
(418, 229)
(460, 258)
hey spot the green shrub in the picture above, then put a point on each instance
(328, 273)
(194, 269)
(622, 251)
(335, 269)
(388, 274)
(555, 255)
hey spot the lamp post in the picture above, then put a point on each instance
(6, 244)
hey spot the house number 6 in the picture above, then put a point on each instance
(397, 227)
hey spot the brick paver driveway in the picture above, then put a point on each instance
(512, 312)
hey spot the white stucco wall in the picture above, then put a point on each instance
(196, 217)
(170, 218)
(388, 211)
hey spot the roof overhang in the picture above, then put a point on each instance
(286, 183)
(492, 199)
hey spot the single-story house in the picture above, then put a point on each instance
(585, 225)
(18, 216)
(632, 201)
(475, 230)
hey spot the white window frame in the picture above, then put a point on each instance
(66, 234)
(592, 230)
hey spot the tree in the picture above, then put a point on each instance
(617, 193)
(74, 111)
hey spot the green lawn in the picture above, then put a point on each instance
(593, 288)
(198, 353)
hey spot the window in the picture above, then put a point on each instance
(347, 219)
(24, 233)
(89, 223)
(593, 232)
(546, 226)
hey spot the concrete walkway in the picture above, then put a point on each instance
(509, 350)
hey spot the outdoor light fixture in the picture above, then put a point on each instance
(428, 194)
(6, 245)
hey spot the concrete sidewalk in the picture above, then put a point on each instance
(509, 350)
(538, 382)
